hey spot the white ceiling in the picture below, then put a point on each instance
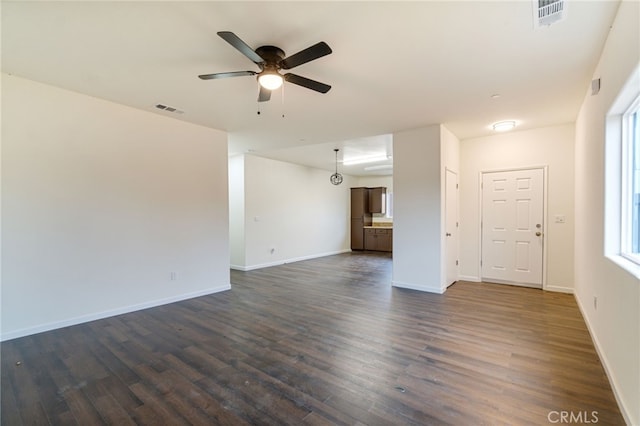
(394, 66)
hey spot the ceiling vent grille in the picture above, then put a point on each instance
(169, 109)
(547, 12)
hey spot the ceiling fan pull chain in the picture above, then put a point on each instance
(282, 93)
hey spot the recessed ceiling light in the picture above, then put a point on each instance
(495, 96)
(504, 126)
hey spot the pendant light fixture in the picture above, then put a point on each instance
(336, 178)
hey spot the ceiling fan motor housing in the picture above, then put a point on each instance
(271, 55)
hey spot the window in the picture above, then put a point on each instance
(622, 178)
(630, 196)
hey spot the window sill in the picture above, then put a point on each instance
(626, 264)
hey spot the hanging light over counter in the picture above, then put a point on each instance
(336, 178)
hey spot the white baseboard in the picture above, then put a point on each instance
(238, 267)
(559, 289)
(470, 278)
(605, 363)
(290, 260)
(109, 313)
(419, 287)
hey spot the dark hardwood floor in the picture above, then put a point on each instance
(324, 341)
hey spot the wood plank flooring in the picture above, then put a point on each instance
(320, 342)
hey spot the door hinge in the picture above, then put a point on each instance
(456, 186)
(456, 263)
(456, 224)
(481, 263)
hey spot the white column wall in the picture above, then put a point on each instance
(417, 222)
(236, 211)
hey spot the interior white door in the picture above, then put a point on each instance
(512, 226)
(451, 226)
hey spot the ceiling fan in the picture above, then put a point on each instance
(271, 60)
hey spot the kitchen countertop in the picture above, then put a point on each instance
(379, 226)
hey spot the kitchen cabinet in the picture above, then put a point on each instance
(360, 216)
(359, 202)
(378, 239)
(357, 234)
(378, 200)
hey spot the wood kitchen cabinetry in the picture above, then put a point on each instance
(360, 202)
(365, 202)
(378, 200)
(360, 216)
(378, 239)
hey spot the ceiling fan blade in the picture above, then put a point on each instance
(306, 82)
(240, 45)
(264, 95)
(316, 51)
(226, 74)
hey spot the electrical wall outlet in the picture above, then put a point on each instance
(173, 276)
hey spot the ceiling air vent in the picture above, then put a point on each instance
(169, 109)
(547, 12)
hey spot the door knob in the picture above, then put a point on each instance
(538, 233)
(448, 234)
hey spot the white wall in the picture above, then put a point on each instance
(294, 210)
(450, 152)
(615, 324)
(417, 228)
(236, 210)
(100, 203)
(550, 146)
(374, 181)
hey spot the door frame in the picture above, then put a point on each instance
(545, 215)
(457, 236)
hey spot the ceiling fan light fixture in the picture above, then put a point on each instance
(271, 59)
(504, 126)
(270, 79)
